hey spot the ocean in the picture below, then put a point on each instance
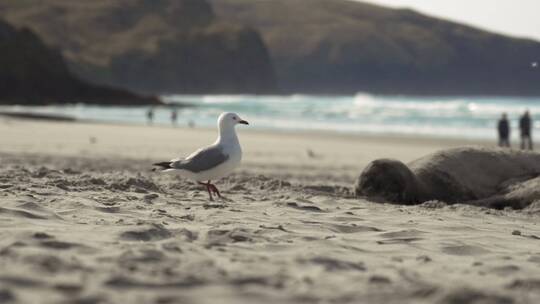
(448, 117)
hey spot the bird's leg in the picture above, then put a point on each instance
(209, 192)
(208, 188)
(214, 189)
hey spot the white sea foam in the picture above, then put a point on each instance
(472, 117)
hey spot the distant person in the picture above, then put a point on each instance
(525, 125)
(174, 116)
(504, 131)
(150, 116)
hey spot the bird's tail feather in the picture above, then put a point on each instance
(163, 166)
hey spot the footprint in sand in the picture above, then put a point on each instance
(219, 237)
(504, 270)
(398, 241)
(401, 237)
(339, 228)
(21, 282)
(473, 296)
(60, 245)
(464, 250)
(49, 263)
(534, 259)
(69, 289)
(352, 228)
(30, 210)
(121, 282)
(304, 207)
(6, 296)
(525, 284)
(42, 236)
(155, 232)
(131, 257)
(21, 213)
(112, 209)
(332, 264)
(347, 219)
(377, 279)
(402, 234)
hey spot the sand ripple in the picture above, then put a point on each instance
(110, 231)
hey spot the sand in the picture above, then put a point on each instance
(84, 220)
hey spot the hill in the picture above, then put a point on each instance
(31, 74)
(338, 46)
(157, 46)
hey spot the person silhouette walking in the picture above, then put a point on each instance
(174, 117)
(504, 131)
(525, 126)
(150, 116)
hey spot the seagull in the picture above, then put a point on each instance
(214, 161)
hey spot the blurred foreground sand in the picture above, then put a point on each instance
(84, 220)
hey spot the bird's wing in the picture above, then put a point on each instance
(201, 160)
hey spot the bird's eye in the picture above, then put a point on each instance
(234, 118)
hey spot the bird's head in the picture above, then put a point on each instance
(228, 119)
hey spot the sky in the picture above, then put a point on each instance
(519, 18)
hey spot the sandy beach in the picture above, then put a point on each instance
(85, 220)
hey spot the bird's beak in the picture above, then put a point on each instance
(243, 122)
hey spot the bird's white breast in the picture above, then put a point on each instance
(234, 151)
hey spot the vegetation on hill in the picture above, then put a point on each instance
(158, 46)
(31, 73)
(339, 46)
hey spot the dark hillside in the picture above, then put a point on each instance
(339, 46)
(31, 73)
(157, 46)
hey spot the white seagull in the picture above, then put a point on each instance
(212, 162)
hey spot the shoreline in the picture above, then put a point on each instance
(303, 137)
(29, 116)
(459, 120)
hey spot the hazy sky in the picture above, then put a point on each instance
(513, 17)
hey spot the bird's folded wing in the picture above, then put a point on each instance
(202, 160)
